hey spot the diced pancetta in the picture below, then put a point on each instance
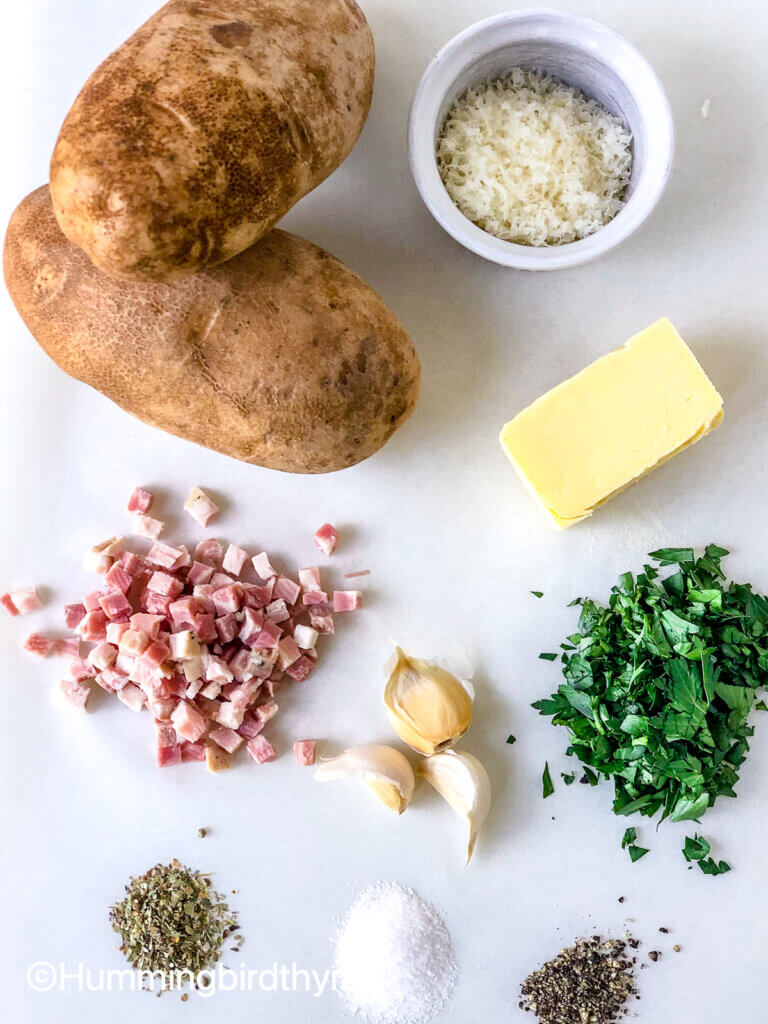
(131, 563)
(75, 693)
(184, 645)
(143, 622)
(200, 507)
(228, 599)
(116, 606)
(264, 568)
(305, 636)
(301, 670)
(163, 555)
(288, 652)
(169, 755)
(310, 578)
(269, 635)
(67, 647)
(140, 500)
(321, 619)
(38, 644)
(216, 759)
(73, 615)
(79, 669)
(347, 600)
(234, 560)
(314, 597)
(227, 739)
(146, 526)
(258, 597)
(188, 722)
(118, 578)
(230, 716)
(227, 627)
(277, 611)
(286, 589)
(26, 600)
(102, 656)
(93, 626)
(304, 752)
(134, 642)
(193, 751)
(210, 551)
(261, 750)
(326, 538)
(199, 573)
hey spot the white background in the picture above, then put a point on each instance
(454, 545)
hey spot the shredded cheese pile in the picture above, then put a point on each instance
(533, 161)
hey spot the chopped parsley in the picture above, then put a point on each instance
(658, 686)
(547, 789)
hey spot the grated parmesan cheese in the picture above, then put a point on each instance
(533, 161)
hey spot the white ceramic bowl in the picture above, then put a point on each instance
(582, 53)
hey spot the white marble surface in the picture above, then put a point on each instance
(454, 545)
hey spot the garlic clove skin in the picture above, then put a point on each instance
(428, 707)
(386, 772)
(464, 784)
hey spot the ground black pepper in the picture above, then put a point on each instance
(588, 983)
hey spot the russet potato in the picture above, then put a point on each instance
(205, 127)
(282, 357)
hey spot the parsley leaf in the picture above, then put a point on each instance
(537, 593)
(511, 739)
(546, 782)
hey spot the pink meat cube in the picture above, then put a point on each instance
(347, 600)
(243, 694)
(269, 635)
(228, 599)
(93, 626)
(253, 622)
(166, 734)
(301, 670)
(287, 652)
(288, 590)
(230, 716)
(251, 726)
(234, 560)
(193, 752)
(167, 756)
(261, 750)
(26, 600)
(156, 653)
(199, 573)
(227, 628)
(205, 627)
(38, 644)
(277, 611)
(304, 752)
(92, 602)
(102, 656)
(155, 604)
(80, 670)
(67, 647)
(133, 643)
(140, 500)
(184, 561)
(10, 607)
(188, 722)
(118, 578)
(73, 615)
(266, 712)
(209, 551)
(115, 631)
(264, 568)
(200, 507)
(321, 619)
(326, 538)
(116, 606)
(75, 693)
(314, 597)
(131, 563)
(239, 663)
(258, 597)
(227, 739)
(142, 622)
(146, 526)
(165, 584)
(111, 681)
(310, 578)
(164, 555)
(221, 579)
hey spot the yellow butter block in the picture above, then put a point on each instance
(626, 413)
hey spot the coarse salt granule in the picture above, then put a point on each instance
(394, 960)
(532, 160)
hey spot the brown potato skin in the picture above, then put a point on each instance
(205, 127)
(282, 357)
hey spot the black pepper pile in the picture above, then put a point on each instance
(591, 982)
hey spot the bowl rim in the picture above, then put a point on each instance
(650, 185)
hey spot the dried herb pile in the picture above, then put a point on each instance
(172, 920)
(589, 983)
(658, 685)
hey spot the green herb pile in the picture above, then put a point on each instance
(659, 686)
(172, 920)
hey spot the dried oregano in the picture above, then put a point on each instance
(172, 920)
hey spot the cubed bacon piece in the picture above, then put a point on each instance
(221, 579)
(216, 759)
(96, 563)
(188, 722)
(26, 600)
(250, 727)
(253, 621)
(204, 590)
(184, 610)
(194, 669)
(199, 573)
(142, 622)
(210, 551)
(326, 538)
(227, 627)
(243, 694)
(124, 662)
(310, 578)
(218, 671)
(79, 669)
(266, 712)
(347, 600)
(115, 632)
(93, 626)
(118, 579)
(176, 685)
(73, 615)
(321, 619)
(169, 755)
(185, 645)
(116, 606)
(258, 597)
(162, 708)
(227, 739)
(287, 652)
(140, 500)
(314, 597)
(205, 627)
(165, 584)
(304, 752)
(165, 732)
(155, 604)
(102, 656)
(146, 526)
(301, 670)
(230, 716)
(111, 681)
(261, 750)
(277, 611)
(239, 662)
(211, 691)
(92, 601)
(305, 637)
(7, 603)
(264, 568)
(185, 559)
(200, 507)
(75, 693)
(228, 599)
(38, 644)
(156, 653)
(142, 673)
(287, 590)
(194, 688)
(133, 642)
(132, 696)
(193, 751)
(131, 563)
(234, 560)
(260, 663)
(269, 636)
(163, 555)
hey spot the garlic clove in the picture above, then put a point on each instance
(428, 707)
(464, 784)
(386, 772)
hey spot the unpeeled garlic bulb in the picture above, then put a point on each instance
(463, 782)
(428, 707)
(386, 772)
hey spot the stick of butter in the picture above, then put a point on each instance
(626, 413)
